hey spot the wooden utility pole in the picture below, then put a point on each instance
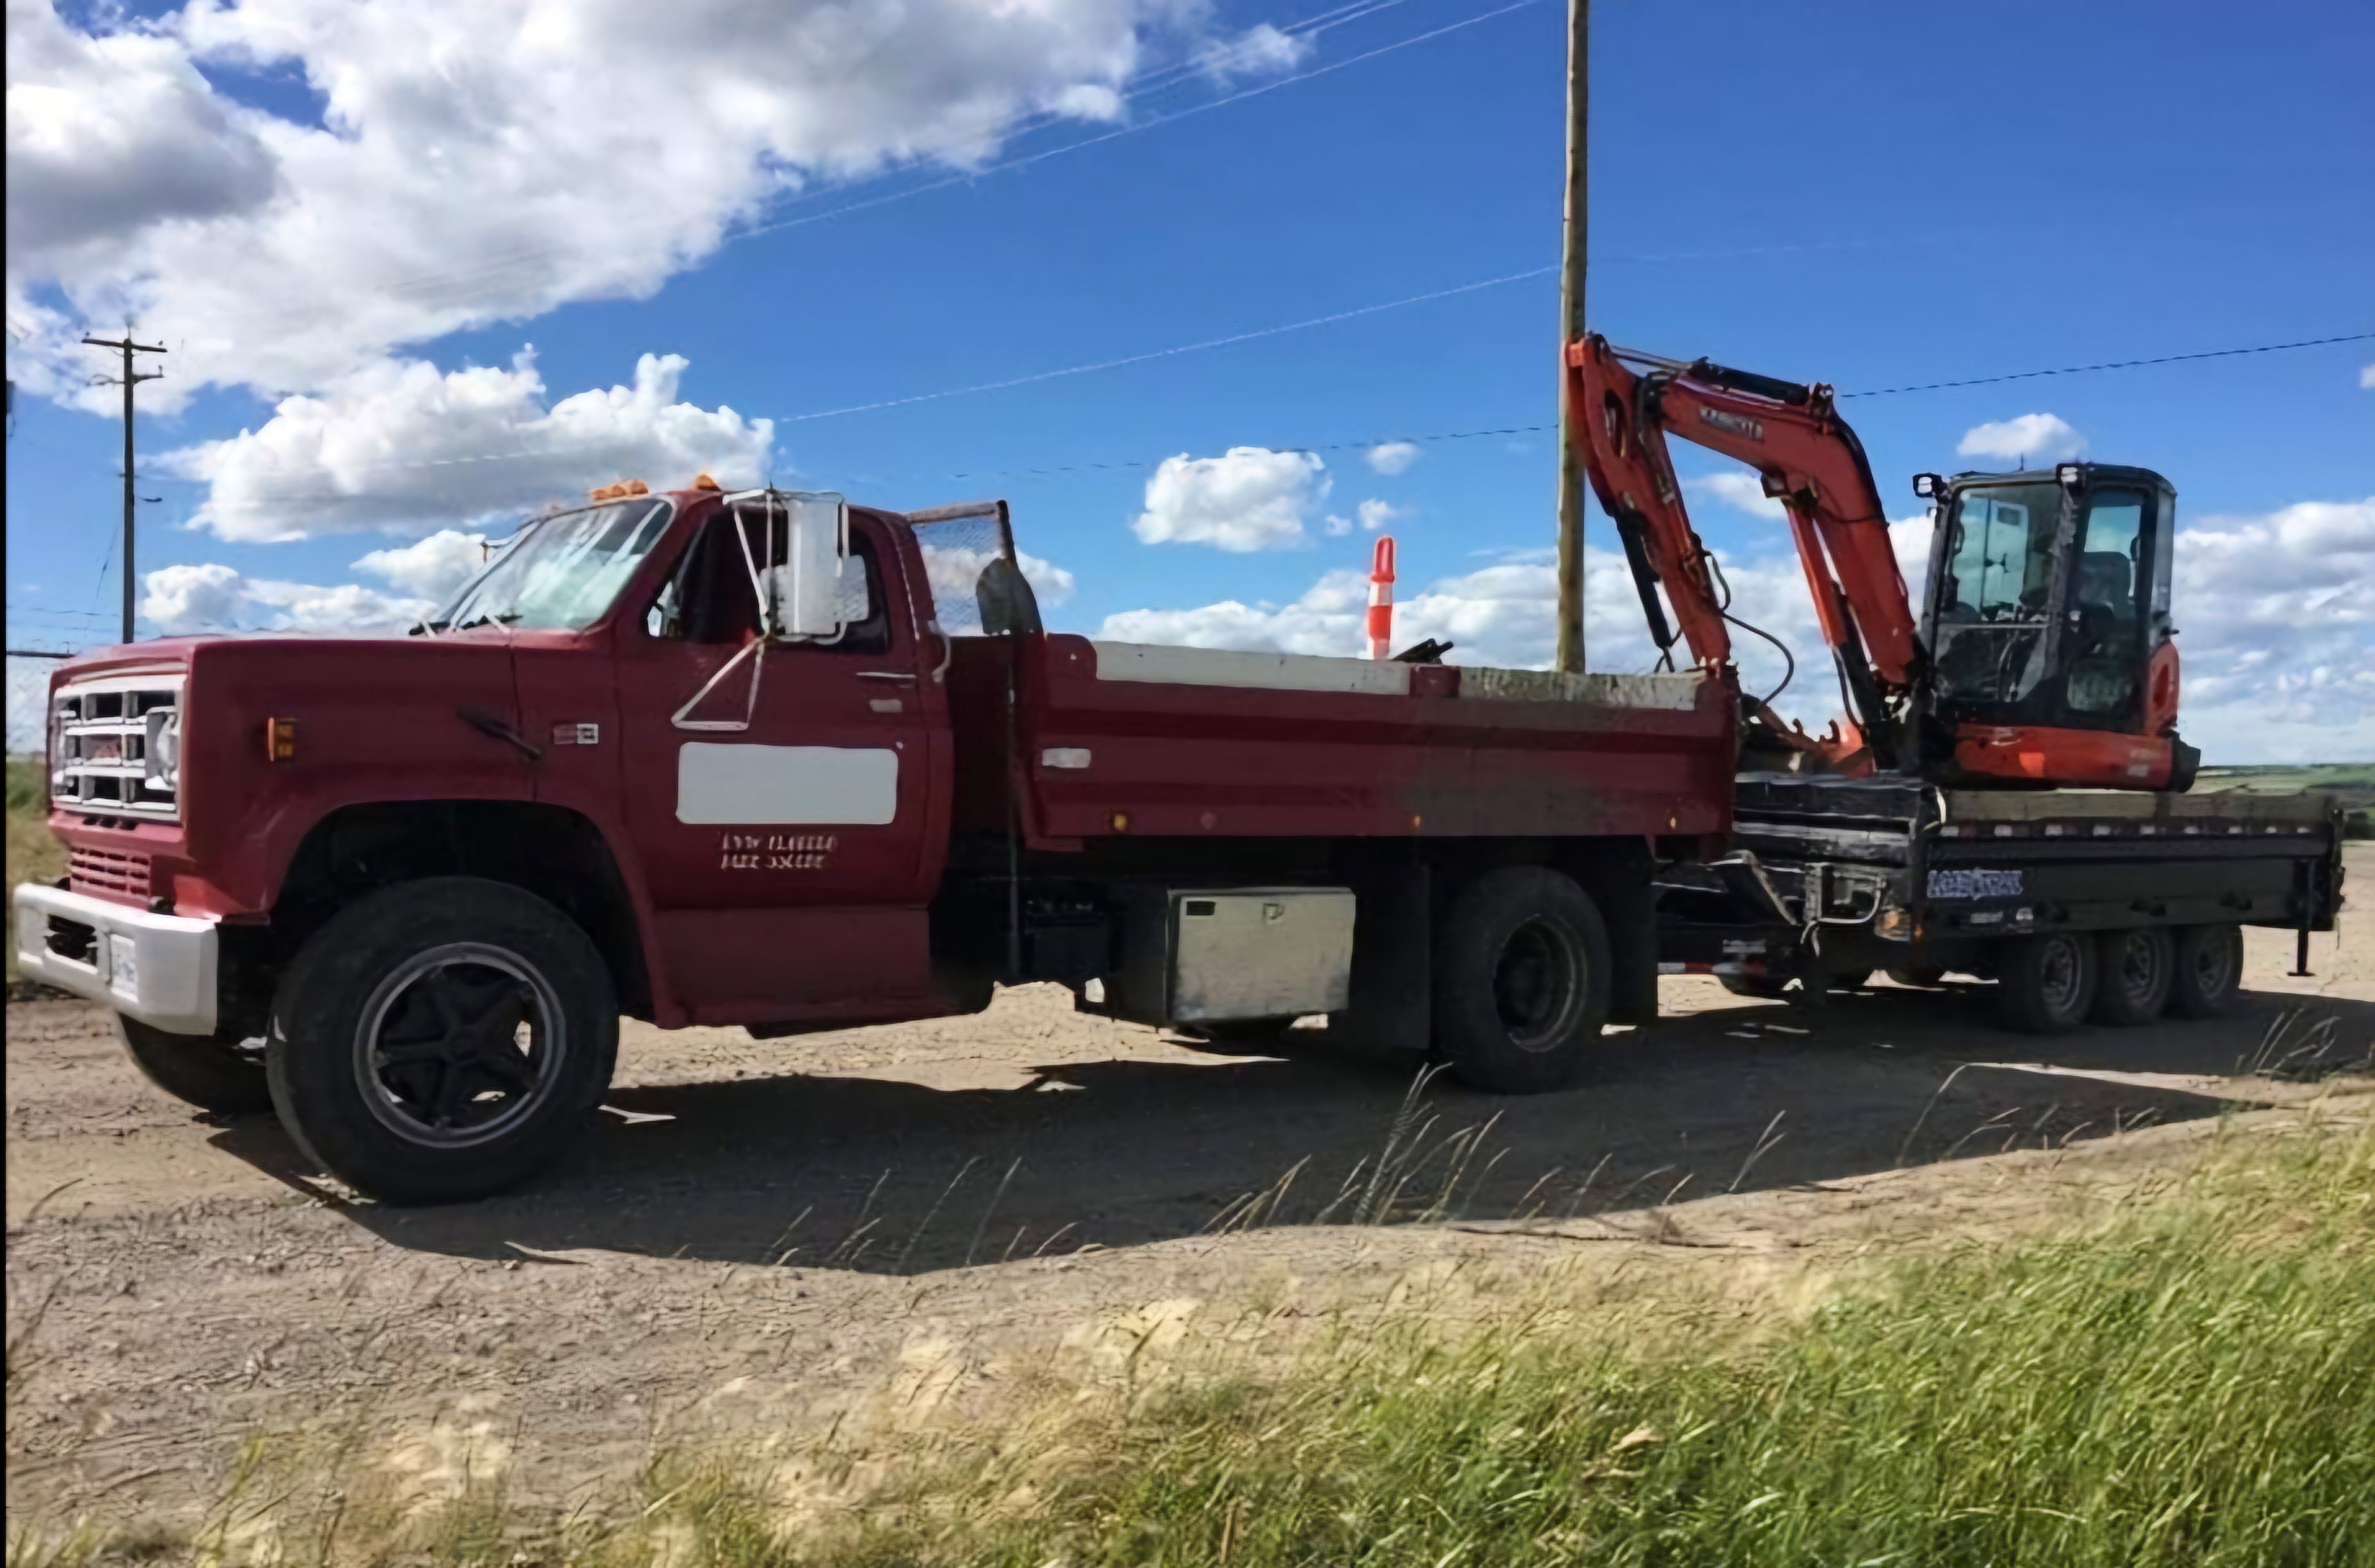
(1578, 224)
(130, 379)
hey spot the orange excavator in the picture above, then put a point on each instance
(2042, 655)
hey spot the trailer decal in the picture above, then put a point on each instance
(1974, 884)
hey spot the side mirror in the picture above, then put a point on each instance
(802, 594)
(1928, 486)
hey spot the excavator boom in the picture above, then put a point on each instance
(1809, 461)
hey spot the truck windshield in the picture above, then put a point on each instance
(562, 572)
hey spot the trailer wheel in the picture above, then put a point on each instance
(2132, 975)
(442, 1040)
(1921, 977)
(2045, 983)
(209, 1071)
(1522, 981)
(2207, 971)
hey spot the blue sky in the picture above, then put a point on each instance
(1869, 194)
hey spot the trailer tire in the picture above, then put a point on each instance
(1920, 977)
(209, 1071)
(442, 1040)
(2045, 983)
(2132, 976)
(1522, 981)
(2208, 970)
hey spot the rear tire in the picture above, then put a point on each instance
(1522, 981)
(209, 1071)
(2132, 975)
(2045, 983)
(442, 1040)
(2208, 970)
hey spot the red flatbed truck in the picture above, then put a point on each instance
(772, 761)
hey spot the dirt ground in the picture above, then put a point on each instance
(770, 1237)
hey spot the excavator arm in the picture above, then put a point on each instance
(1625, 403)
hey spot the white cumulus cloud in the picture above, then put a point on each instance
(434, 568)
(1260, 51)
(484, 160)
(1375, 515)
(1392, 457)
(214, 597)
(110, 135)
(2032, 438)
(1251, 499)
(399, 445)
(1743, 492)
(2367, 377)
(2275, 618)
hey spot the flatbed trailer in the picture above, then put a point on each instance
(1834, 879)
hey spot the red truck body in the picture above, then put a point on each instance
(423, 877)
(782, 922)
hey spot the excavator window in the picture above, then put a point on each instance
(1992, 599)
(2005, 648)
(2105, 625)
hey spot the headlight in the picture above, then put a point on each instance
(161, 757)
(57, 744)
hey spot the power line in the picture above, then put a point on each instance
(2116, 365)
(1013, 163)
(427, 286)
(1167, 353)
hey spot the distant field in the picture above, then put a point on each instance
(2352, 782)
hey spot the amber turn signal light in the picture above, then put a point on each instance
(279, 740)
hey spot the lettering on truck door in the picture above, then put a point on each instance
(784, 831)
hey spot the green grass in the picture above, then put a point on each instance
(2194, 1387)
(2190, 1385)
(33, 854)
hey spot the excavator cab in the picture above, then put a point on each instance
(2047, 621)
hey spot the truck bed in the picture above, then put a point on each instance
(1103, 740)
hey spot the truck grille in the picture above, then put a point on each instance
(109, 871)
(115, 747)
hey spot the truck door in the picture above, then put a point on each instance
(782, 791)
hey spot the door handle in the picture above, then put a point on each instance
(887, 675)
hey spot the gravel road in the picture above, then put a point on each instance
(761, 1237)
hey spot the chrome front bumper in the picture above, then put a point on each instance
(157, 968)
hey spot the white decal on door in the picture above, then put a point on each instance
(809, 785)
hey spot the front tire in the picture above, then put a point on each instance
(2045, 983)
(2207, 971)
(1522, 981)
(209, 1071)
(2131, 987)
(442, 1040)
